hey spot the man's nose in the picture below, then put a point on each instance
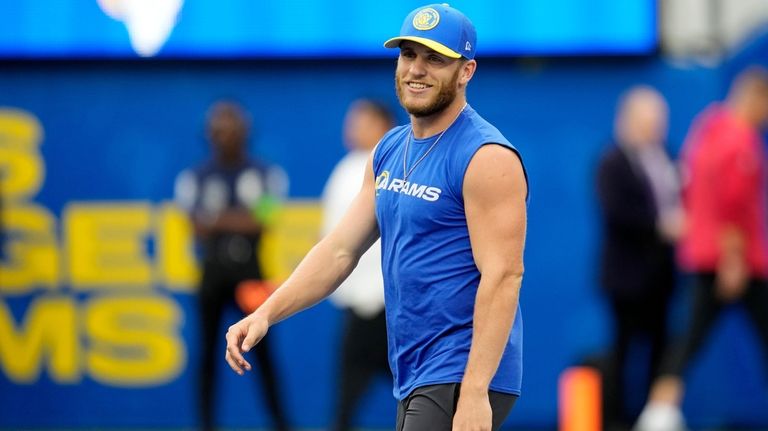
(418, 67)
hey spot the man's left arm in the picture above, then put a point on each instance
(495, 191)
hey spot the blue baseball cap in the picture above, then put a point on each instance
(441, 28)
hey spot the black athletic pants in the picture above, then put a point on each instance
(217, 292)
(706, 309)
(635, 319)
(431, 408)
(363, 355)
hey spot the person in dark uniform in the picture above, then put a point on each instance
(638, 190)
(229, 199)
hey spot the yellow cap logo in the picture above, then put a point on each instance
(426, 19)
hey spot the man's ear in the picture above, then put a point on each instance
(467, 71)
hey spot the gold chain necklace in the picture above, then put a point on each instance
(406, 172)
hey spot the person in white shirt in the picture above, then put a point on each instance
(361, 296)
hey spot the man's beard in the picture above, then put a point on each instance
(444, 98)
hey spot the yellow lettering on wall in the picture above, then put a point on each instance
(19, 128)
(21, 173)
(21, 168)
(135, 341)
(32, 258)
(47, 335)
(294, 233)
(106, 245)
(176, 265)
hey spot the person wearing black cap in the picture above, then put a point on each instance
(447, 194)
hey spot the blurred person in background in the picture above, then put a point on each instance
(230, 200)
(725, 243)
(447, 193)
(638, 189)
(361, 296)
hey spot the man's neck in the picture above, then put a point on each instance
(230, 161)
(740, 108)
(424, 127)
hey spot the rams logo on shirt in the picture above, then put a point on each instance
(382, 181)
(426, 19)
(428, 193)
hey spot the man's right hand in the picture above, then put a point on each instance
(241, 337)
(731, 279)
(732, 270)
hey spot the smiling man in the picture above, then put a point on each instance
(447, 194)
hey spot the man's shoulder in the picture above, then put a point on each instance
(197, 171)
(390, 140)
(482, 131)
(258, 164)
(613, 154)
(614, 167)
(394, 134)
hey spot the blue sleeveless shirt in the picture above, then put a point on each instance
(430, 276)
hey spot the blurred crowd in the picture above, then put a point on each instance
(701, 219)
(691, 224)
(697, 222)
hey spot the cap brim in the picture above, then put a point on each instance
(429, 43)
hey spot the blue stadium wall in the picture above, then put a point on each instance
(113, 137)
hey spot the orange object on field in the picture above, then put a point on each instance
(580, 400)
(250, 294)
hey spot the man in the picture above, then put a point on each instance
(364, 347)
(725, 244)
(228, 199)
(447, 195)
(638, 188)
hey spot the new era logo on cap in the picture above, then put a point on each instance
(441, 28)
